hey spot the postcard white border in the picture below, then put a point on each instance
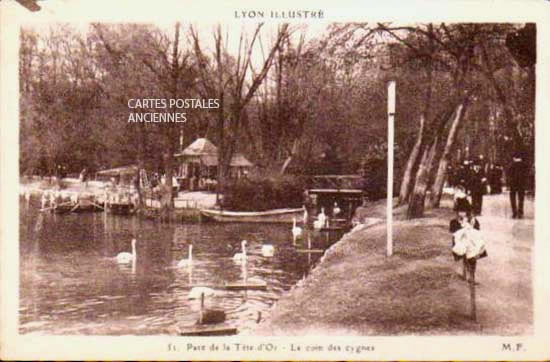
(15, 346)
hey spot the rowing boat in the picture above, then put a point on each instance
(270, 216)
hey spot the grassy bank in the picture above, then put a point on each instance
(357, 290)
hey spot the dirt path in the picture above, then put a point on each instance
(505, 293)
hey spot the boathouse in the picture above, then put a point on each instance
(344, 191)
(198, 165)
(120, 175)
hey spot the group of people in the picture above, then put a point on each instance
(471, 177)
(477, 177)
(470, 181)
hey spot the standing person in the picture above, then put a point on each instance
(464, 176)
(477, 187)
(495, 178)
(361, 213)
(84, 177)
(516, 179)
(451, 177)
(483, 163)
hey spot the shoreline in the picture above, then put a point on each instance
(184, 203)
(356, 290)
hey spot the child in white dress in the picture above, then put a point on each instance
(468, 243)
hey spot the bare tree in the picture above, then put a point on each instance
(172, 75)
(234, 83)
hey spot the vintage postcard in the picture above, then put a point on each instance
(214, 180)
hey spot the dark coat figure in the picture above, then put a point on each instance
(463, 175)
(517, 177)
(495, 178)
(483, 163)
(476, 186)
(451, 176)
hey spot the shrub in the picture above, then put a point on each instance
(260, 194)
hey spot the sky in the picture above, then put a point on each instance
(55, 11)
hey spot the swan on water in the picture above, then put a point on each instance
(241, 257)
(296, 230)
(321, 220)
(336, 209)
(196, 292)
(125, 257)
(189, 261)
(268, 250)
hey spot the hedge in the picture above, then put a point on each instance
(264, 193)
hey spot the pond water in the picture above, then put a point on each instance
(70, 282)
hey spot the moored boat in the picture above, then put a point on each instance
(270, 216)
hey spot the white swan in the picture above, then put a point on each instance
(296, 230)
(196, 292)
(321, 220)
(125, 257)
(336, 209)
(189, 261)
(241, 257)
(268, 250)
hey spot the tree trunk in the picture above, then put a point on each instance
(141, 157)
(416, 202)
(437, 187)
(489, 73)
(221, 150)
(406, 184)
(166, 199)
(293, 152)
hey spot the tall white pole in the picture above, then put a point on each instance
(389, 195)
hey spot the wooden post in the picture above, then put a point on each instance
(389, 193)
(202, 309)
(472, 283)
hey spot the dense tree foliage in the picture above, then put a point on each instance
(292, 104)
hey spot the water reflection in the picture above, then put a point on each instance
(70, 282)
